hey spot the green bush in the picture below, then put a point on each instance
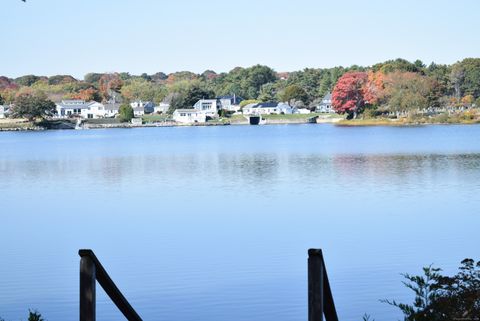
(443, 298)
(125, 113)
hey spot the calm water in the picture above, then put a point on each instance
(214, 223)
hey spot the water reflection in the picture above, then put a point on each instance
(218, 220)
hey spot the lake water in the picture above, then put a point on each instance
(214, 223)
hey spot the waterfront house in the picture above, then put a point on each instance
(111, 108)
(188, 116)
(325, 105)
(285, 108)
(268, 108)
(162, 108)
(2, 111)
(209, 107)
(142, 107)
(302, 111)
(230, 103)
(80, 108)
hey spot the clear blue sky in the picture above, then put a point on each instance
(47, 37)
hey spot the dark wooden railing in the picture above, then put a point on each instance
(91, 270)
(320, 298)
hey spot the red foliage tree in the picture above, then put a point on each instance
(348, 96)
(87, 95)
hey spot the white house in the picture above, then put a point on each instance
(209, 107)
(138, 111)
(230, 103)
(285, 108)
(267, 109)
(162, 108)
(302, 111)
(142, 107)
(2, 111)
(111, 109)
(187, 116)
(325, 105)
(80, 108)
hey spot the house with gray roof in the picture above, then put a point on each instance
(325, 105)
(230, 102)
(142, 107)
(79, 108)
(189, 116)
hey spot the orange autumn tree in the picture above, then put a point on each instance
(375, 88)
(87, 95)
(109, 82)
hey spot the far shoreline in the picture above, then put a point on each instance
(24, 125)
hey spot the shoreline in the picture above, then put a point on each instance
(22, 125)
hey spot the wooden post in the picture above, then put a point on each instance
(315, 285)
(87, 289)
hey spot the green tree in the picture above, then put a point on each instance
(32, 105)
(2, 101)
(294, 93)
(139, 88)
(443, 298)
(92, 77)
(245, 82)
(61, 79)
(268, 92)
(407, 92)
(471, 80)
(34, 315)
(125, 112)
(195, 93)
(398, 65)
(27, 80)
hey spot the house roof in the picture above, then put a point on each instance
(267, 105)
(234, 99)
(328, 96)
(74, 104)
(189, 110)
(111, 106)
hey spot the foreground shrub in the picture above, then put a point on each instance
(443, 298)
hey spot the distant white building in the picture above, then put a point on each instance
(80, 108)
(142, 107)
(325, 105)
(230, 103)
(187, 116)
(268, 108)
(302, 111)
(2, 111)
(136, 121)
(111, 109)
(161, 108)
(209, 107)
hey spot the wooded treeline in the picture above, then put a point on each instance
(394, 85)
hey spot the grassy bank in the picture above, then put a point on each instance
(155, 118)
(467, 118)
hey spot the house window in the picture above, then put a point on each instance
(183, 114)
(90, 116)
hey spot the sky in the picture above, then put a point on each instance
(49, 37)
